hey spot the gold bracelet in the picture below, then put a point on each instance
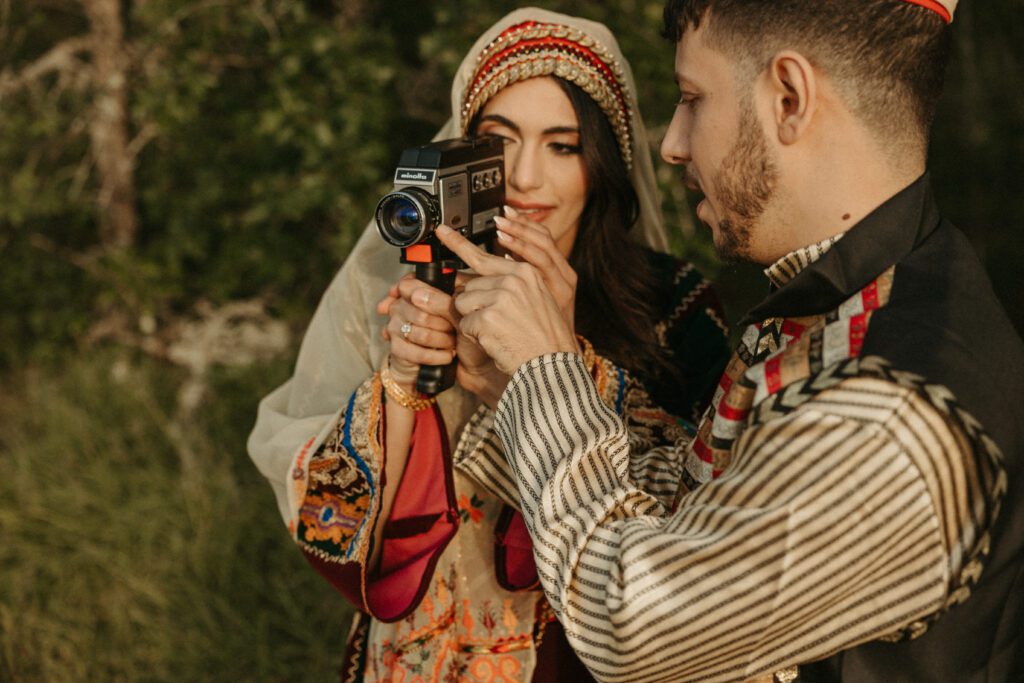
(401, 396)
(587, 350)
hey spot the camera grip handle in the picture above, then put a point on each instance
(433, 379)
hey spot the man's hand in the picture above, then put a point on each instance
(508, 310)
(531, 242)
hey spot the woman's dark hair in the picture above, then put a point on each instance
(616, 291)
(617, 288)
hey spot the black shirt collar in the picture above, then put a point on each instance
(884, 237)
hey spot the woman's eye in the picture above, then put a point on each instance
(563, 148)
(504, 139)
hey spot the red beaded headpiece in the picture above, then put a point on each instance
(533, 49)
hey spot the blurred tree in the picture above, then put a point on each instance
(110, 147)
(156, 153)
(97, 60)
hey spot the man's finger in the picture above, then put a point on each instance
(489, 282)
(469, 302)
(471, 328)
(475, 257)
(462, 277)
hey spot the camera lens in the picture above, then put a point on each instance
(405, 217)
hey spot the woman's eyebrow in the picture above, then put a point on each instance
(499, 119)
(508, 123)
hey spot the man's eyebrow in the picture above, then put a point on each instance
(508, 123)
(683, 81)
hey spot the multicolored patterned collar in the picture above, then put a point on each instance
(787, 267)
(883, 238)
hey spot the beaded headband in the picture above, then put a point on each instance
(944, 8)
(532, 49)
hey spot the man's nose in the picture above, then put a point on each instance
(675, 146)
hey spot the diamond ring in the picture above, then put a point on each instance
(405, 329)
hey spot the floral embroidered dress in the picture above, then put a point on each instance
(455, 595)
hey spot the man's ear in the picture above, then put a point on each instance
(792, 84)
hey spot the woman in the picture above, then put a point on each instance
(418, 535)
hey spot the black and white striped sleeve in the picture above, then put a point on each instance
(836, 524)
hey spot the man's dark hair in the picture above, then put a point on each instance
(887, 57)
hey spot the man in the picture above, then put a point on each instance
(839, 516)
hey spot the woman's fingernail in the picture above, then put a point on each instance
(502, 236)
(502, 222)
(443, 230)
(508, 257)
(421, 296)
(509, 211)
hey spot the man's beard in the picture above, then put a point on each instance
(743, 186)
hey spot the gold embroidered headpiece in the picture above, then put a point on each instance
(533, 49)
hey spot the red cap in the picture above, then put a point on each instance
(944, 8)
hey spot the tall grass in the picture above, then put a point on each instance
(141, 545)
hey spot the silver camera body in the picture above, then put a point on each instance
(458, 182)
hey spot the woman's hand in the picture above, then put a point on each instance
(417, 336)
(475, 371)
(531, 242)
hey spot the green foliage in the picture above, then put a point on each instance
(136, 547)
(265, 130)
(271, 139)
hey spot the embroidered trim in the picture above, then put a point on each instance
(342, 494)
(300, 483)
(354, 662)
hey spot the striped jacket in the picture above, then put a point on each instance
(841, 494)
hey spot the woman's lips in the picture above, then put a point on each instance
(533, 212)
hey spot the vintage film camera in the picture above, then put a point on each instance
(459, 183)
